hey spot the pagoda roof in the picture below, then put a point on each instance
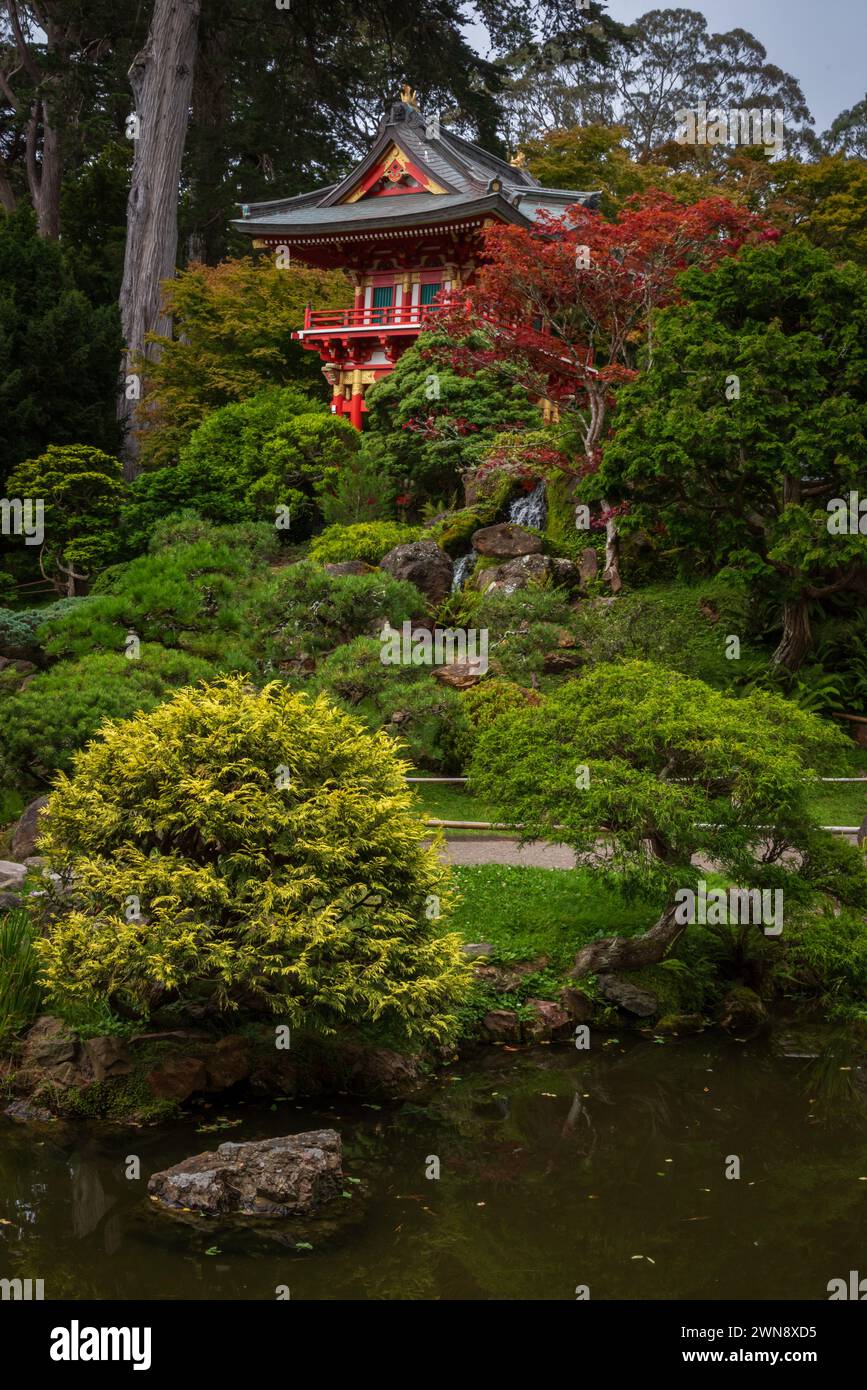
(453, 179)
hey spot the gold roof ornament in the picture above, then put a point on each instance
(409, 96)
(518, 160)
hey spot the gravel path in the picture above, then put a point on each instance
(500, 850)
(540, 854)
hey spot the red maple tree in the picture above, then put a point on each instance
(563, 308)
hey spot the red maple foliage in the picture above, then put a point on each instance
(563, 308)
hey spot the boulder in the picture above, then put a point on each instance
(349, 567)
(228, 1062)
(579, 1008)
(291, 1176)
(742, 1008)
(506, 541)
(475, 949)
(515, 574)
(500, 978)
(47, 1044)
(557, 663)
(460, 675)
(526, 569)
(12, 875)
(548, 1021)
(177, 1078)
(679, 1025)
(24, 1113)
(502, 1025)
(378, 1071)
(26, 832)
(622, 992)
(565, 573)
(108, 1057)
(9, 901)
(423, 564)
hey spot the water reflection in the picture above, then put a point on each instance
(558, 1168)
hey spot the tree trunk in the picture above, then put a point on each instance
(161, 77)
(797, 637)
(45, 177)
(611, 573)
(629, 952)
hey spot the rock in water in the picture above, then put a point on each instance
(291, 1176)
(506, 541)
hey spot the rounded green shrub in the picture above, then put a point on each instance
(425, 717)
(484, 703)
(44, 725)
(302, 612)
(366, 540)
(237, 846)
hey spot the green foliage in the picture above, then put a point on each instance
(186, 596)
(302, 459)
(19, 628)
(362, 490)
(62, 708)
(670, 764)
(484, 703)
(258, 539)
(93, 206)
(301, 611)
(232, 339)
(82, 490)
(367, 541)
(749, 481)
(218, 467)
(58, 354)
(683, 626)
(429, 440)
(426, 717)
(20, 991)
(826, 955)
(270, 842)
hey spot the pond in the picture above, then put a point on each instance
(558, 1169)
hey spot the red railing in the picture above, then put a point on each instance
(388, 315)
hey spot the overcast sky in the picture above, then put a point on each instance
(821, 42)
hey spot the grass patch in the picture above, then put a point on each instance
(835, 803)
(525, 913)
(20, 993)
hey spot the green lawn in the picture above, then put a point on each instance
(525, 912)
(836, 804)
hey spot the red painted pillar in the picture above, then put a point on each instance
(355, 407)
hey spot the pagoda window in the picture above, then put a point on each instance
(429, 292)
(383, 298)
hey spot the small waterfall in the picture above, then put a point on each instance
(530, 510)
(461, 570)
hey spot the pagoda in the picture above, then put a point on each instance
(404, 225)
